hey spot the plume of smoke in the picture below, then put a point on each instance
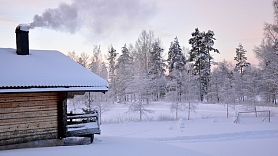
(64, 18)
(96, 15)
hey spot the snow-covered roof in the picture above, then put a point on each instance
(45, 70)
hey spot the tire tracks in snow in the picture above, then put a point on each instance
(221, 137)
(138, 132)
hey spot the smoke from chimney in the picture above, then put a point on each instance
(96, 15)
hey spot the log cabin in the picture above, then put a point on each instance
(34, 87)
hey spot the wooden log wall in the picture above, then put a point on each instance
(29, 116)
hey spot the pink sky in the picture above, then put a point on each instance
(233, 22)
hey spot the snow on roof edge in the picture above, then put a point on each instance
(70, 89)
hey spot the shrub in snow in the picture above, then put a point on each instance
(236, 113)
(235, 119)
(213, 120)
(165, 118)
(206, 116)
(180, 123)
(170, 127)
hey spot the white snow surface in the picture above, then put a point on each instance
(198, 137)
(45, 68)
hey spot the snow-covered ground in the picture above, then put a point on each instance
(208, 132)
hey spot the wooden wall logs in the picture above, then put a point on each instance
(29, 116)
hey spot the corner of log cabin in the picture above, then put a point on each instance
(26, 117)
(72, 94)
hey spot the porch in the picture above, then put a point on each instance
(83, 125)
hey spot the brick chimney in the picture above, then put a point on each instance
(22, 39)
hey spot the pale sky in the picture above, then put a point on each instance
(233, 22)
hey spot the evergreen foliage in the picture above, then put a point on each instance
(112, 68)
(139, 76)
(176, 65)
(124, 75)
(201, 45)
(241, 59)
(156, 72)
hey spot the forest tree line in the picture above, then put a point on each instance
(144, 72)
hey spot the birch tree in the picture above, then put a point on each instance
(267, 53)
(143, 46)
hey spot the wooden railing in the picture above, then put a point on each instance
(84, 125)
(82, 118)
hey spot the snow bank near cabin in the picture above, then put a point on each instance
(116, 146)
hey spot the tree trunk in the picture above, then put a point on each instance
(100, 117)
(227, 110)
(176, 114)
(188, 117)
(140, 114)
(200, 78)
(256, 111)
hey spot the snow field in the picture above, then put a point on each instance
(208, 127)
(119, 113)
(208, 132)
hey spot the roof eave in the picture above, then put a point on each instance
(69, 89)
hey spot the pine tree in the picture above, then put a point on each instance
(201, 45)
(176, 59)
(156, 72)
(176, 65)
(241, 59)
(124, 75)
(112, 61)
(112, 67)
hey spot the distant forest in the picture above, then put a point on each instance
(144, 72)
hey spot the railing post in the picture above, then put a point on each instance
(97, 118)
(268, 116)
(70, 115)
